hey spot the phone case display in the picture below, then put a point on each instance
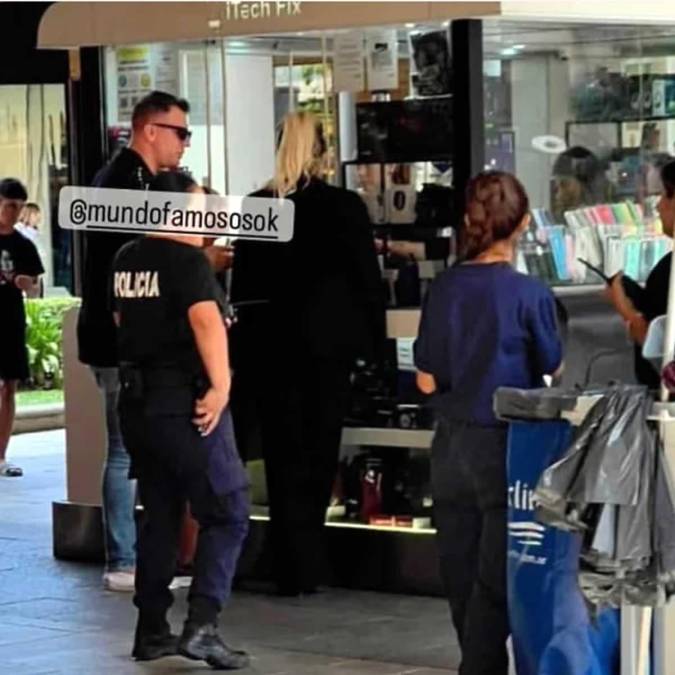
(404, 193)
(411, 207)
(399, 204)
(610, 237)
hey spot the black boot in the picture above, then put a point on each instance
(148, 647)
(201, 642)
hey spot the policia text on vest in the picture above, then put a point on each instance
(110, 210)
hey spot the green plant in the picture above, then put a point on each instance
(44, 334)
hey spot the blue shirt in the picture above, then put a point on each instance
(484, 327)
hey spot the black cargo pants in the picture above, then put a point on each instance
(175, 464)
(468, 474)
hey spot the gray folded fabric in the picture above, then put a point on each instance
(613, 487)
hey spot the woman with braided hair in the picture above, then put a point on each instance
(483, 326)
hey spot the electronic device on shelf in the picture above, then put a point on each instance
(385, 396)
(405, 131)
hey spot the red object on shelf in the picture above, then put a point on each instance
(381, 520)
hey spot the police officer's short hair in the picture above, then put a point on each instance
(156, 102)
(172, 181)
(11, 188)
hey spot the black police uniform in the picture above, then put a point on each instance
(155, 281)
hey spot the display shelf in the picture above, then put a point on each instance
(569, 290)
(385, 437)
(349, 525)
(622, 120)
(427, 271)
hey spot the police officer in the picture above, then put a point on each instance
(175, 384)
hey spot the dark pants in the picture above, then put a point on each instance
(302, 407)
(468, 469)
(174, 465)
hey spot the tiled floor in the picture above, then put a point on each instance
(55, 618)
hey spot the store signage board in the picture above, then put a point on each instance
(348, 67)
(79, 24)
(246, 11)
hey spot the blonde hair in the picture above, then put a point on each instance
(299, 153)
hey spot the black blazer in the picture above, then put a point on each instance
(324, 287)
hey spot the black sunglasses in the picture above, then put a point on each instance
(183, 133)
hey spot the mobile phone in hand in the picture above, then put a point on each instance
(593, 268)
(634, 292)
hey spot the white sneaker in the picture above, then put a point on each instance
(180, 582)
(121, 581)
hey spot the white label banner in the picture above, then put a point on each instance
(137, 211)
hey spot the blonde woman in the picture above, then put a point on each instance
(309, 308)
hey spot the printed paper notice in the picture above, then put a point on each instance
(348, 69)
(382, 58)
(166, 69)
(134, 80)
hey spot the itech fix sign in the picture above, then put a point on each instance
(243, 11)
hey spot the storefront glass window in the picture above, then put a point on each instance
(585, 117)
(383, 95)
(34, 150)
(232, 147)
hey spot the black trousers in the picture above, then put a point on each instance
(468, 473)
(301, 406)
(173, 465)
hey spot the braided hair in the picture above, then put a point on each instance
(496, 203)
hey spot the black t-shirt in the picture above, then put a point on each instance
(18, 255)
(653, 303)
(154, 283)
(96, 330)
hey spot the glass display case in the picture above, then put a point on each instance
(585, 117)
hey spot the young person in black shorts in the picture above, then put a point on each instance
(20, 268)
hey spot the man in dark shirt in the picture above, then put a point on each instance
(159, 138)
(20, 267)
